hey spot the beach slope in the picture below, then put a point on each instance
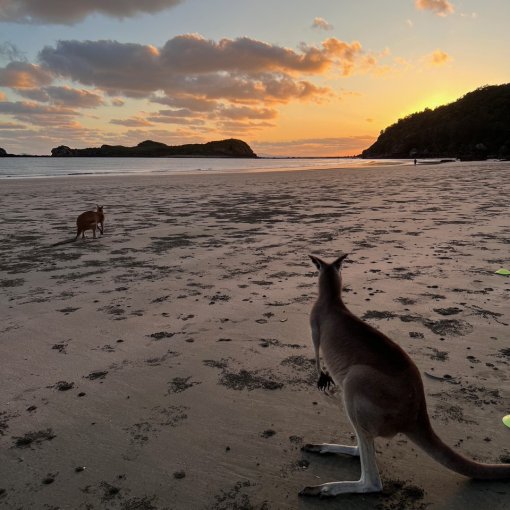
(168, 364)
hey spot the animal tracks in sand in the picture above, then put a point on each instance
(210, 248)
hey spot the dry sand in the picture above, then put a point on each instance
(168, 364)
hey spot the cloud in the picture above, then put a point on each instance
(322, 24)
(184, 121)
(71, 11)
(195, 54)
(438, 58)
(182, 116)
(234, 127)
(64, 96)
(197, 104)
(347, 55)
(76, 98)
(24, 75)
(224, 84)
(205, 85)
(439, 7)
(223, 117)
(132, 122)
(235, 69)
(244, 112)
(37, 114)
(11, 125)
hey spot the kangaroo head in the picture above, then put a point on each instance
(99, 208)
(330, 281)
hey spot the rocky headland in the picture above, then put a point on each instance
(230, 148)
(475, 127)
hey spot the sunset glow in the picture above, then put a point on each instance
(296, 78)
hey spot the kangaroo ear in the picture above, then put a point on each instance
(319, 264)
(338, 262)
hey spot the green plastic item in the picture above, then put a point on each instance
(506, 420)
(503, 271)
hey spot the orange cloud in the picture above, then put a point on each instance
(181, 117)
(183, 100)
(244, 112)
(23, 75)
(204, 83)
(35, 113)
(11, 125)
(132, 122)
(439, 7)
(232, 127)
(345, 54)
(238, 67)
(63, 96)
(438, 58)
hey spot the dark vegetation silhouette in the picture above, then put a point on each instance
(150, 149)
(476, 126)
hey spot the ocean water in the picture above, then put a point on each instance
(59, 167)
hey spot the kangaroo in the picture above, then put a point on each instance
(90, 220)
(382, 391)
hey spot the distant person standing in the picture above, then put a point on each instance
(415, 162)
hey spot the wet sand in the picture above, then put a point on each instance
(168, 364)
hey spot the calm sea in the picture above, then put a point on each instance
(55, 167)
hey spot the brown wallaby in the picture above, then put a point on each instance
(382, 390)
(90, 220)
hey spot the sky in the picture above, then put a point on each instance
(290, 77)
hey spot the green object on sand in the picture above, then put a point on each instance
(503, 271)
(506, 420)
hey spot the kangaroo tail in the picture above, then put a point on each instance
(427, 440)
(64, 242)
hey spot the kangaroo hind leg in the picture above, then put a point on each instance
(369, 481)
(331, 448)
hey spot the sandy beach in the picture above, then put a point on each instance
(168, 364)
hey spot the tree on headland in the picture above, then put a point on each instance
(476, 126)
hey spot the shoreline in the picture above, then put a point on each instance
(355, 164)
(171, 362)
(236, 171)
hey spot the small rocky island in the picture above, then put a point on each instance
(230, 148)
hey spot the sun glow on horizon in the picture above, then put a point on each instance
(431, 102)
(310, 82)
